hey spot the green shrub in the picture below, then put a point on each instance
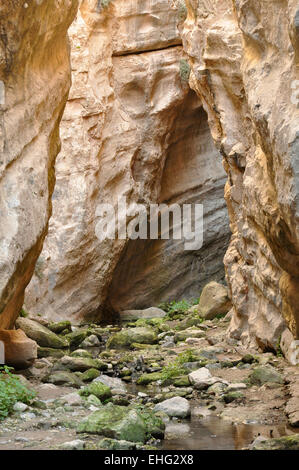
(176, 309)
(184, 70)
(11, 391)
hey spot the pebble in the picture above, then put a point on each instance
(73, 445)
(20, 407)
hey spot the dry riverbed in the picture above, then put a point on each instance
(171, 383)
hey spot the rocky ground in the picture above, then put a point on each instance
(172, 382)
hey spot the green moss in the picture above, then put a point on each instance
(184, 70)
(146, 379)
(182, 381)
(89, 375)
(97, 389)
(59, 327)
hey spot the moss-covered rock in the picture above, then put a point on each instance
(64, 378)
(76, 337)
(229, 397)
(280, 443)
(97, 389)
(142, 347)
(124, 338)
(265, 374)
(81, 364)
(61, 326)
(81, 353)
(188, 333)
(182, 381)
(42, 335)
(50, 352)
(133, 424)
(146, 379)
(116, 422)
(89, 375)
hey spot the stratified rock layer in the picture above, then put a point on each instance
(34, 84)
(244, 58)
(132, 128)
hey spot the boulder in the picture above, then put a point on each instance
(126, 337)
(77, 444)
(112, 382)
(89, 375)
(176, 406)
(202, 378)
(151, 312)
(99, 390)
(64, 378)
(280, 443)
(188, 333)
(116, 422)
(61, 326)
(266, 374)
(19, 351)
(90, 342)
(72, 399)
(42, 335)
(81, 364)
(123, 423)
(214, 301)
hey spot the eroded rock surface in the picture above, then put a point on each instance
(244, 58)
(34, 84)
(132, 128)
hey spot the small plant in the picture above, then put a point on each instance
(184, 70)
(104, 3)
(186, 356)
(11, 391)
(172, 370)
(175, 369)
(23, 313)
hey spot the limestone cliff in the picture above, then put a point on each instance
(132, 127)
(34, 84)
(244, 58)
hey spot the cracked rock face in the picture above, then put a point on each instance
(244, 58)
(34, 84)
(132, 128)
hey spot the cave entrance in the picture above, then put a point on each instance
(154, 271)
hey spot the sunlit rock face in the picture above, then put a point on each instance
(34, 84)
(244, 58)
(132, 128)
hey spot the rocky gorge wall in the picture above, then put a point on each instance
(132, 128)
(244, 60)
(34, 84)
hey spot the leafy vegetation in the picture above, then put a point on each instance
(176, 309)
(175, 369)
(184, 70)
(11, 391)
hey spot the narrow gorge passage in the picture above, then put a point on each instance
(113, 342)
